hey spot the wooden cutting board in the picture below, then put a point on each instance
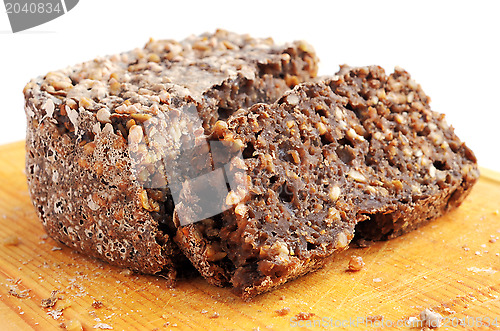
(452, 266)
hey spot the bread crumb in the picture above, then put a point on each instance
(169, 324)
(11, 241)
(15, 281)
(413, 322)
(97, 304)
(103, 326)
(215, 315)
(55, 313)
(283, 311)
(21, 294)
(304, 316)
(377, 280)
(430, 318)
(449, 311)
(375, 318)
(485, 270)
(126, 272)
(51, 301)
(356, 263)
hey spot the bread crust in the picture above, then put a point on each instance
(327, 162)
(95, 183)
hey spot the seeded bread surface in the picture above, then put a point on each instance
(360, 154)
(96, 185)
(357, 156)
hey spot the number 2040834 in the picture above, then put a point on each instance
(470, 321)
(33, 8)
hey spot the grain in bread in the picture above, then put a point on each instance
(359, 154)
(95, 186)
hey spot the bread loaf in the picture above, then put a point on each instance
(224, 153)
(95, 185)
(357, 155)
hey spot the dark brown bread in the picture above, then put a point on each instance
(95, 184)
(430, 170)
(358, 154)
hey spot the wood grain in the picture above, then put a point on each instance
(452, 266)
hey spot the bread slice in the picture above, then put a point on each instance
(95, 185)
(360, 154)
(409, 142)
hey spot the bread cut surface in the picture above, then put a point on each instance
(95, 183)
(360, 155)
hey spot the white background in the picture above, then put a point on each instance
(451, 48)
